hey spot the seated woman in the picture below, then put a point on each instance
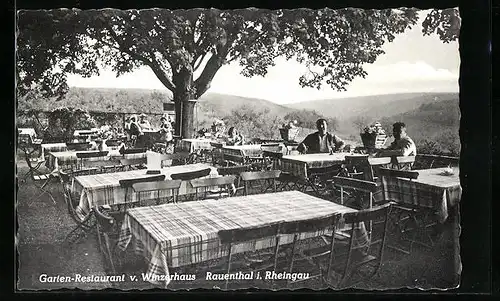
(233, 137)
(166, 131)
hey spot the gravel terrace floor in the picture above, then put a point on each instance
(43, 225)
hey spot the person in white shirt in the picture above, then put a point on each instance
(402, 145)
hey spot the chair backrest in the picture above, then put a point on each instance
(209, 182)
(78, 145)
(405, 162)
(113, 142)
(191, 175)
(127, 183)
(407, 174)
(234, 159)
(367, 215)
(216, 144)
(135, 161)
(181, 156)
(156, 185)
(260, 175)
(248, 234)
(351, 183)
(233, 170)
(95, 154)
(328, 171)
(133, 151)
(272, 155)
(359, 164)
(309, 225)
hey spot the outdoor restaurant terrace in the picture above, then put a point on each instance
(199, 212)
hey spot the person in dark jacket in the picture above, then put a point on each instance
(321, 141)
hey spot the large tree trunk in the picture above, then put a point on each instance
(184, 116)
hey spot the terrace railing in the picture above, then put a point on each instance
(425, 161)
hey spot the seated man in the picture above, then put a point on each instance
(233, 137)
(402, 144)
(321, 141)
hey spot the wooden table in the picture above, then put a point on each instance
(175, 235)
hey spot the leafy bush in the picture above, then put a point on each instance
(63, 121)
(253, 122)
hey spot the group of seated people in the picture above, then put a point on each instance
(218, 131)
(135, 127)
(323, 141)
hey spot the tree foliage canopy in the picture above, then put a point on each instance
(186, 48)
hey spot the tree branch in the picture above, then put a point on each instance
(196, 66)
(153, 64)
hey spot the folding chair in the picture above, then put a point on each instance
(169, 187)
(404, 162)
(180, 158)
(412, 222)
(232, 160)
(78, 146)
(131, 164)
(357, 187)
(127, 184)
(214, 188)
(360, 255)
(132, 151)
(265, 179)
(217, 156)
(191, 175)
(250, 260)
(312, 255)
(84, 160)
(319, 178)
(37, 176)
(236, 171)
(357, 167)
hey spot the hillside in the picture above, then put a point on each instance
(373, 107)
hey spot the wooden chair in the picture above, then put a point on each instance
(266, 180)
(181, 157)
(376, 164)
(236, 171)
(319, 178)
(256, 261)
(232, 160)
(83, 159)
(216, 153)
(132, 151)
(191, 175)
(78, 146)
(363, 190)
(358, 167)
(404, 162)
(127, 185)
(37, 177)
(412, 222)
(131, 164)
(214, 188)
(349, 261)
(168, 187)
(312, 255)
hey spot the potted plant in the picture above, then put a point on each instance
(373, 136)
(289, 131)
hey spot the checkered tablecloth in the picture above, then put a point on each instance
(53, 147)
(192, 145)
(298, 165)
(27, 131)
(250, 150)
(175, 235)
(56, 160)
(431, 189)
(104, 189)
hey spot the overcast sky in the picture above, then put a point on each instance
(411, 63)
